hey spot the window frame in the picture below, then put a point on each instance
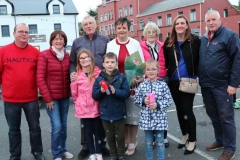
(35, 31)
(54, 9)
(169, 19)
(130, 10)
(55, 24)
(4, 7)
(120, 12)
(131, 26)
(159, 21)
(193, 16)
(141, 24)
(4, 34)
(125, 12)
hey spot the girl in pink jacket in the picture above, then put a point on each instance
(86, 107)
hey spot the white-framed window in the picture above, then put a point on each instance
(131, 26)
(109, 15)
(130, 10)
(102, 30)
(142, 25)
(56, 9)
(5, 31)
(169, 19)
(33, 29)
(3, 10)
(225, 12)
(120, 12)
(159, 21)
(57, 26)
(150, 20)
(125, 11)
(160, 37)
(101, 18)
(168, 34)
(192, 15)
(180, 13)
(105, 17)
(106, 30)
(109, 29)
(209, 9)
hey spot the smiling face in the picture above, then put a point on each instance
(58, 42)
(151, 35)
(152, 71)
(213, 22)
(122, 31)
(85, 60)
(181, 26)
(110, 64)
(21, 34)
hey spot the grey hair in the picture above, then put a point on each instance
(86, 17)
(210, 12)
(151, 25)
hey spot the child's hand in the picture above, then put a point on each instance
(112, 89)
(102, 90)
(153, 106)
(147, 101)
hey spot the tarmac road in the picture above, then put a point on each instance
(204, 136)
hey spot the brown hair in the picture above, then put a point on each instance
(110, 55)
(55, 34)
(121, 21)
(149, 62)
(79, 67)
(174, 34)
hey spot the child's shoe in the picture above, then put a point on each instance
(236, 105)
(92, 157)
(99, 157)
(121, 158)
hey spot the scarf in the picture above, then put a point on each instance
(154, 49)
(59, 54)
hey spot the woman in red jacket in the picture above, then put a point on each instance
(54, 85)
(153, 49)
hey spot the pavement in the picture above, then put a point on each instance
(205, 136)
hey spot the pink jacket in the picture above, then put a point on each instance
(85, 105)
(161, 60)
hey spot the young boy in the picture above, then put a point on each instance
(112, 107)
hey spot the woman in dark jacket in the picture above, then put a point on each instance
(186, 47)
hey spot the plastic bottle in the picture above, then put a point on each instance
(105, 86)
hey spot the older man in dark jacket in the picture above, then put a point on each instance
(219, 70)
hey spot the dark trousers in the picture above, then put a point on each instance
(93, 127)
(115, 134)
(221, 112)
(184, 107)
(13, 112)
(234, 98)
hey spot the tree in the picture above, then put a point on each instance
(80, 29)
(93, 13)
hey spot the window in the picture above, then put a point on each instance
(225, 12)
(130, 10)
(3, 10)
(192, 15)
(57, 26)
(180, 13)
(120, 12)
(56, 9)
(5, 31)
(209, 9)
(101, 18)
(102, 30)
(142, 37)
(125, 11)
(142, 25)
(160, 37)
(109, 15)
(169, 19)
(33, 29)
(168, 34)
(110, 29)
(159, 21)
(131, 26)
(106, 30)
(150, 20)
(105, 17)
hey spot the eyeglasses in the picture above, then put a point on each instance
(84, 58)
(151, 32)
(151, 69)
(58, 39)
(22, 32)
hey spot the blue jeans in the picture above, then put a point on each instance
(58, 119)
(13, 112)
(93, 127)
(149, 139)
(221, 112)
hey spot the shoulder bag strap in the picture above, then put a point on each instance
(176, 63)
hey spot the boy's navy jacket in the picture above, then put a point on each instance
(112, 107)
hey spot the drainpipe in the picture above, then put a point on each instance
(76, 26)
(138, 6)
(200, 18)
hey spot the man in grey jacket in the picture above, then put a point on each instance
(97, 44)
(219, 70)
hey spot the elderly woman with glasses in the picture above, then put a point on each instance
(54, 85)
(153, 49)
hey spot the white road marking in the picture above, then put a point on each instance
(198, 151)
(173, 110)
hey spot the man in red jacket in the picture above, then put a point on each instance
(18, 66)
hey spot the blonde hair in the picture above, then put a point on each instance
(92, 65)
(149, 62)
(151, 26)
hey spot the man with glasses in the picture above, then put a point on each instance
(18, 66)
(97, 44)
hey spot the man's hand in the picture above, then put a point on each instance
(231, 90)
(73, 76)
(50, 105)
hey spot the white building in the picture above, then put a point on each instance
(42, 18)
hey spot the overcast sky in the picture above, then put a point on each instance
(85, 5)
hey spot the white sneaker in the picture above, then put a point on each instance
(99, 157)
(58, 159)
(92, 157)
(68, 155)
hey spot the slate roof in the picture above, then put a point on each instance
(39, 7)
(166, 5)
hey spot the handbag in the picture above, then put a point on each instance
(187, 85)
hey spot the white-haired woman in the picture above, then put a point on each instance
(153, 49)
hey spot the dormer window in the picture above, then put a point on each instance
(56, 9)
(3, 10)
